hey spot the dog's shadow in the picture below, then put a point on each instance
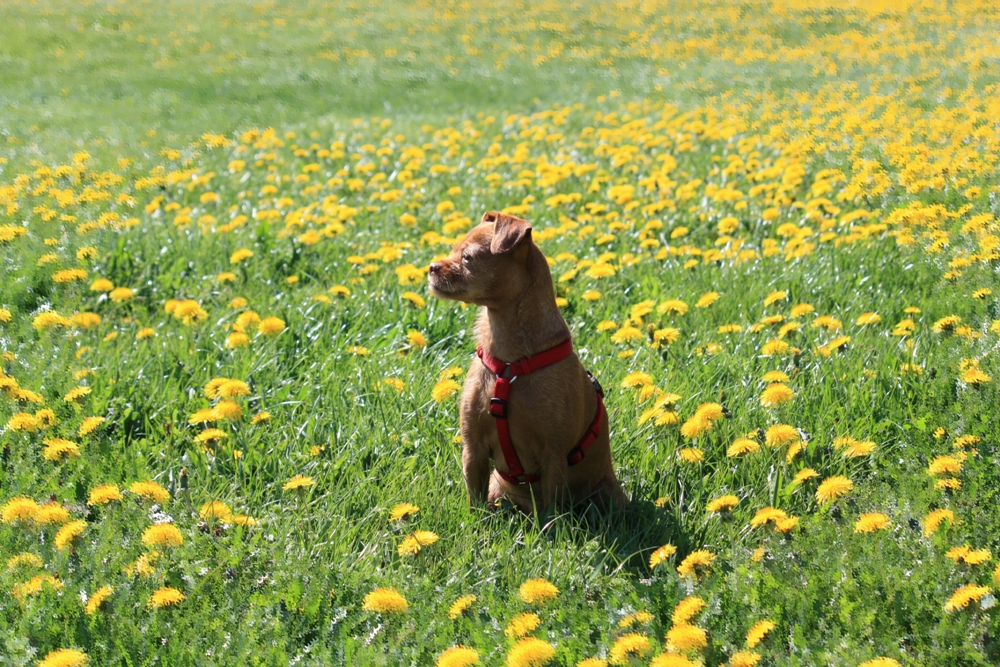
(624, 536)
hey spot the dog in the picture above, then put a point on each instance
(525, 379)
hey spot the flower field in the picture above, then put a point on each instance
(229, 404)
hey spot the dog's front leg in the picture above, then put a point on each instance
(551, 487)
(476, 468)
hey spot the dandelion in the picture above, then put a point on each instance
(64, 657)
(776, 394)
(671, 659)
(26, 560)
(240, 255)
(961, 598)
(416, 339)
(271, 326)
(215, 509)
(626, 334)
(668, 335)
(934, 519)
(869, 523)
(722, 503)
(766, 515)
(832, 488)
(686, 637)
(102, 285)
(165, 597)
(460, 606)
(636, 379)
(742, 446)
(76, 394)
(944, 465)
(65, 536)
(97, 599)
(413, 543)
(687, 609)
(298, 482)
(414, 298)
(162, 535)
(458, 656)
(403, 510)
(695, 562)
(521, 625)
(629, 647)
(35, 585)
(444, 389)
(537, 591)
(758, 631)
(19, 509)
(661, 555)
(592, 662)
(385, 601)
(150, 490)
(781, 434)
(51, 513)
(530, 652)
(744, 659)
(880, 662)
(58, 449)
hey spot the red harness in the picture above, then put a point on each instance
(498, 407)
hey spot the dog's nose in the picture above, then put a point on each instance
(435, 268)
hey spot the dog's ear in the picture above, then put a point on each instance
(508, 232)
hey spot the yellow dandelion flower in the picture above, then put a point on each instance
(629, 647)
(215, 509)
(722, 503)
(776, 394)
(964, 595)
(537, 591)
(165, 597)
(626, 334)
(385, 601)
(413, 543)
(298, 482)
(64, 657)
(744, 659)
(76, 394)
(65, 536)
(104, 494)
(414, 298)
(19, 509)
(51, 514)
(758, 631)
(403, 510)
(671, 659)
(22, 421)
(636, 379)
(687, 609)
(460, 605)
(521, 625)
(150, 490)
(89, 425)
(530, 652)
(781, 434)
(701, 558)
(661, 555)
(57, 449)
(240, 255)
(592, 662)
(271, 326)
(869, 523)
(97, 599)
(35, 585)
(766, 515)
(944, 465)
(832, 488)
(742, 446)
(162, 535)
(686, 637)
(934, 519)
(458, 656)
(444, 389)
(880, 662)
(26, 560)
(691, 455)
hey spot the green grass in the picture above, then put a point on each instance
(290, 589)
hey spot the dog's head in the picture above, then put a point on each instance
(487, 265)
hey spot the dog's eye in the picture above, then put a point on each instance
(467, 259)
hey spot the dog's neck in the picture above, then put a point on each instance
(526, 323)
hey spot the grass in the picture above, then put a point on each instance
(685, 165)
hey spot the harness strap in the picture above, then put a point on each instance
(498, 407)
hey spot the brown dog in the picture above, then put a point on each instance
(551, 409)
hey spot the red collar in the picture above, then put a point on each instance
(498, 407)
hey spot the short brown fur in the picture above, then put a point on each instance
(499, 267)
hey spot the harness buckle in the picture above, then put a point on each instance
(498, 408)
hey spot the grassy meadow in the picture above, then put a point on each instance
(229, 405)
